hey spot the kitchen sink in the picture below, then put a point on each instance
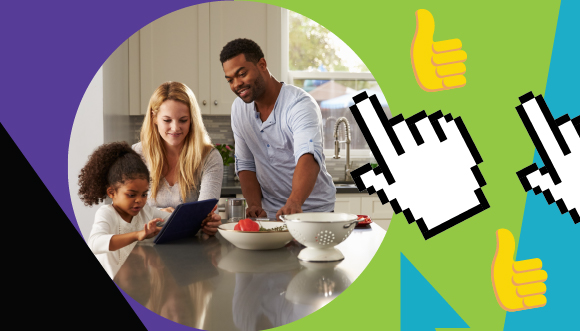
(344, 185)
(353, 185)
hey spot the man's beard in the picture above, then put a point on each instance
(258, 87)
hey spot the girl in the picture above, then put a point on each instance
(175, 145)
(116, 171)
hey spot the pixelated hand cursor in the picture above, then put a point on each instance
(437, 65)
(558, 143)
(427, 166)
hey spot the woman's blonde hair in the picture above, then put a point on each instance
(197, 144)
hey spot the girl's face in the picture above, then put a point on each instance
(173, 122)
(129, 198)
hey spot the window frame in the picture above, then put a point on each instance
(290, 75)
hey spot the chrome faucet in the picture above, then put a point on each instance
(348, 166)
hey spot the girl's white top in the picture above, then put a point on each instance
(108, 223)
(209, 187)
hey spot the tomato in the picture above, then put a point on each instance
(248, 225)
(237, 227)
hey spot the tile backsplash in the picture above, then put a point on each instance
(220, 131)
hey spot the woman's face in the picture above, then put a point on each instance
(173, 122)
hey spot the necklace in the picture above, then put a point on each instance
(123, 252)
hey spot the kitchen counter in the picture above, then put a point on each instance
(207, 283)
(231, 188)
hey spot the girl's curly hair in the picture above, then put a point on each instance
(109, 165)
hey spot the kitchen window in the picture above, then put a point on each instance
(324, 66)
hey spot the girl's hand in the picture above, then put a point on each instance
(211, 223)
(150, 229)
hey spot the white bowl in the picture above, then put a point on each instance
(320, 232)
(255, 240)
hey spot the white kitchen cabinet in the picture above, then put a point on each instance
(229, 21)
(345, 203)
(171, 48)
(362, 204)
(373, 207)
(379, 213)
(184, 46)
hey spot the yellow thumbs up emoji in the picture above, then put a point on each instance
(517, 285)
(437, 65)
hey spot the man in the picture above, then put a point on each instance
(278, 133)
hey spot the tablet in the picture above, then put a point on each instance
(185, 221)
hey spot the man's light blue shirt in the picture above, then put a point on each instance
(272, 148)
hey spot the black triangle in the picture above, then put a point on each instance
(51, 275)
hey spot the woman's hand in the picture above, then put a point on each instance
(168, 209)
(150, 229)
(211, 222)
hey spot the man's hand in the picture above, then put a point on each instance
(427, 166)
(558, 143)
(291, 207)
(210, 224)
(253, 193)
(255, 211)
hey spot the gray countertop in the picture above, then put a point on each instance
(207, 283)
(231, 188)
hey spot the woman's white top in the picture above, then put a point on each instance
(108, 222)
(209, 188)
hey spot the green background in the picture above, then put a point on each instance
(508, 46)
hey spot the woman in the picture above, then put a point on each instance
(183, 163)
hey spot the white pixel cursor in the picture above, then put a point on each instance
(427, 166)
(558, 143)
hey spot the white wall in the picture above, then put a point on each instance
(102, 117)
(87, 134)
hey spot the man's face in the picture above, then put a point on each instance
(245, 78)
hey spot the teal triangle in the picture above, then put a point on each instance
(422, 307)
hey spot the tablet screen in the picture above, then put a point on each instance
(185, 221)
